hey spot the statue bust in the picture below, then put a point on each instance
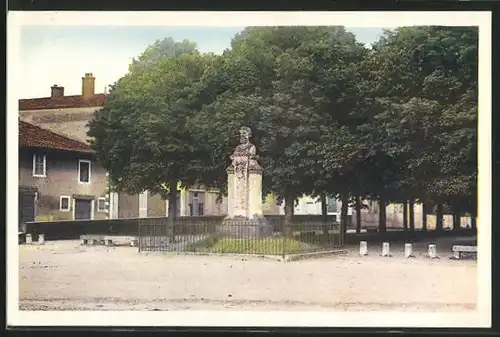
(244, 155)
(245, 148)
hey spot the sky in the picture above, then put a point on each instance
(63, 54)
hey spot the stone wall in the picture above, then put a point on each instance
(156, 206)
(128, 205)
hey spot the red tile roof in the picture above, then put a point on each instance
(34, 136)
(76, 101)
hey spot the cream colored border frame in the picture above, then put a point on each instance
(480, 318)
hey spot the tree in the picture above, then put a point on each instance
(273, 80)
(142, 135)
(161, 49)
(427, 77)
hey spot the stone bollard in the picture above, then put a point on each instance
(432, 251)
(41, 239)
(363, 248)
(29, 240)
(385, 249)
(409, 250)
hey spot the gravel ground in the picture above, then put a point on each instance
(62, 275)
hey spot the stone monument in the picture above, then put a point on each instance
(244, 176)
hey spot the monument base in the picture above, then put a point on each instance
(241, 227)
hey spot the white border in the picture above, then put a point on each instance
(44, 175)
(90, 171)
(480, 318)
(60, 203)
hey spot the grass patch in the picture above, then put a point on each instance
(259, 246)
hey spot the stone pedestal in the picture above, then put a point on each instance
(242, 227)
(245, 218)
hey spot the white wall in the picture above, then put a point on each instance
(311, 205)
(308, 205)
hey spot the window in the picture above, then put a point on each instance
(331, 205)
(39, 165)
(64, 203)
(101, 204)
(84, 171)
(196, 203)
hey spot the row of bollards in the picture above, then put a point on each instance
(41, 239)
(363, 250)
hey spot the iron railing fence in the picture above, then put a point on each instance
(238, 237)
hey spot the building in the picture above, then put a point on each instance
(395, 216)
(59, 178)
(69, 115)
(66, 115)
(312, 205)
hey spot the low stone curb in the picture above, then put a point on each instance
(243, 256)
(287, 258)
(304, 256)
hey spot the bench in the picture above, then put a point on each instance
(464, 248)
(108, 240)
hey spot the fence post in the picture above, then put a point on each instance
(385, 249)
(363, 248)
(432, 251)
(139, 235)
(283, 238)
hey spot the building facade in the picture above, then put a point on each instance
(59, 178)
(69, 116)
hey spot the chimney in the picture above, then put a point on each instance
(88, 85)
(56, 91)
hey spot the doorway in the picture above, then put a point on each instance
(27, 207)
(83, 209)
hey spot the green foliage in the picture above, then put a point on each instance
(425, 82)
(396, 122)
(142, 135)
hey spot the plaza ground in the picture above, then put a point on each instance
(63, 275)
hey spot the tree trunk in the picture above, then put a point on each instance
(343, 217)
(424, 217)
(287, 223)
(405, 215)
(456, 220)
(172, 208)
(382, 216)
(324, 214)
(358, 215)
(411, 211)
(439, 217)
(172, 201)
